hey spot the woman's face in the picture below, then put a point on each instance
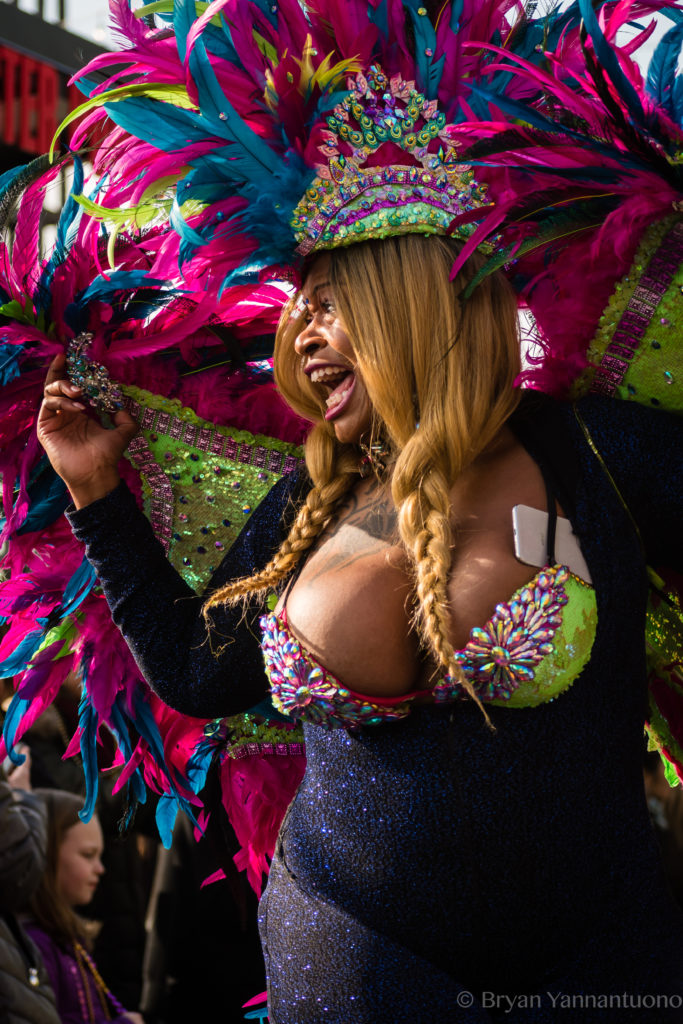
(328, 359)
(79, 864)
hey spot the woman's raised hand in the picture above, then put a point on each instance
(83, 452)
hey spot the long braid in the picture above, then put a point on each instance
(425, 528)
(315, 514)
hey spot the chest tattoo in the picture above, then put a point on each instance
(364, 525)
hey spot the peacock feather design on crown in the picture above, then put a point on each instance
(357, 196)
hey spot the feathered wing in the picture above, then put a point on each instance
(579, 175)
(152, 333)
(587, 179)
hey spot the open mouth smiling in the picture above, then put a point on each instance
(338, 383)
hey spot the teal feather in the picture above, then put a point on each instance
(677, 101)
(267, 215)
(162, 125)
(661, 72)
(136, 789)
(531, 38)
(457, 8)
(78, 588)
(379, 17)
(569, 220)
(87, 723)
(13, 717)
(103, 289)
(189, 238)
(48, 498)
(72, 212)
(533, 117)
(146, 726)
(268, 9)
(672, 13)
(16, 180)
(67, 229)
(428, 71)
(165, 815)
(224, 120)
(608, 61)
(184, 14)
(10, 359)
(17, 661)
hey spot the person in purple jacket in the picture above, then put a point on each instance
(73, 870)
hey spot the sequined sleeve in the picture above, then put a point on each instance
(159, 615)
(642, 450)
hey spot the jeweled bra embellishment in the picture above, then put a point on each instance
(500, 658)
(351, 201)
(303, 689)
(502, 655)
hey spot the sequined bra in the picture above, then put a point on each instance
(531, 650)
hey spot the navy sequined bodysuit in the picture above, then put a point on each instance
(429, 868)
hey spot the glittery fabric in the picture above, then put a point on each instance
(531, 867)
(431, 856)
(160, 614)
(201, 482)
(664, 639)
(637, 348)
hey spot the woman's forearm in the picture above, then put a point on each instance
(198, 672)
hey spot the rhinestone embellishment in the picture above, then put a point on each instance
(303, 689)
(102, 393)
(502, 655)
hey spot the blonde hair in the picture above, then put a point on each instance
(424, 355)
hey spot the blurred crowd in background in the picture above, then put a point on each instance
(93, 919)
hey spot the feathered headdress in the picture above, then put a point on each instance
(263, 131)
(588, 184)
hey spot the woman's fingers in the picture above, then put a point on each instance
(59, 394)
(61, 402)
(53, 413)
(61, 387)
(55, 370)
(125, 425)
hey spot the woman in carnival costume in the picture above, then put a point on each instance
(470, 836)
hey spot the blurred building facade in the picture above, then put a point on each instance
(39, 52)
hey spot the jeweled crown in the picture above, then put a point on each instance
(363, 192)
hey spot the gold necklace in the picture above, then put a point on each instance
(87, 970)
